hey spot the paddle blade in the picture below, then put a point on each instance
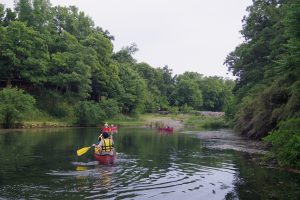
(82, 151)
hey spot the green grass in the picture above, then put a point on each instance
(38, 118)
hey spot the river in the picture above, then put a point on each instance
(42, 164)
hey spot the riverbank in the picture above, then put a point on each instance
(227, 139)
(222, 139)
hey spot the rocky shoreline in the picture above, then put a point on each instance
(222, 139)
(225, 139)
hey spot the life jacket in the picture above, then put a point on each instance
(107, 145)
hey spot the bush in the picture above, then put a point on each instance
(206, 122)
(110, 107)
(89, 113)
(55, 104)
(214, 123)
(185, 108)
(286, 143)
(14, 103)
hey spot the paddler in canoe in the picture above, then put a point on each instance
(104, 151)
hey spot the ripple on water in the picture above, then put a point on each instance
(169, 183)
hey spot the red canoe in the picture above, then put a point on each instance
(105, 159)
(167, 129)
(110, 129)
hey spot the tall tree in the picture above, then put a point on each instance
(24, 11)
(23, 54)
(188, 93)
(133, 92)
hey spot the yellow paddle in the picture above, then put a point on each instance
(82, 151)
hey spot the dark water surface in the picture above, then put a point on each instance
(42, 164)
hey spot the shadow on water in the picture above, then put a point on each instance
(43, 164)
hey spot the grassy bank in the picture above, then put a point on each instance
(40, 119)
(206, 122)
(189, 120)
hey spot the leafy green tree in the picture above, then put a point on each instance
(14, 103)
(264, 35)
(24, 11)
(23, 54)
(41, 14)
(216, 93)
(105, 73)
(68, 70)
(133, 92)
(9, 17)
(167, 84)
(153, 77)
(286, 143)
(125, 54)
(187, 93)
(2, 13)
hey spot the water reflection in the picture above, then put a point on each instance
(150, 165)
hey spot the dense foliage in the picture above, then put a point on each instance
(267, 64)
(59, 56)
(14, 104)
(286, 142)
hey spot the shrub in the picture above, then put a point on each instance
(286, 143)
(89, 113)
(185, 108)
(211, 123)
(13, 105)
(55, 104)
(110, 107)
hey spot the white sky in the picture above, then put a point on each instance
(186, 35)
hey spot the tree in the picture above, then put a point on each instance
(68, 70)
(9, 17)
(132, 95)
(216, 93)
(153, 78)
(24, 11)
(105, 80)
(167, 84)
(41, 14)
(188, 93)
(125, 54)
(23, 54)
(2, 13)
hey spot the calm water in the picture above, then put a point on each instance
(42, 164)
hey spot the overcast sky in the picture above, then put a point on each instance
(186, 35)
